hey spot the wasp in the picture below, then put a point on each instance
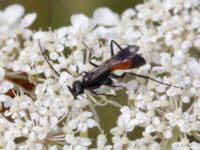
(126, 58)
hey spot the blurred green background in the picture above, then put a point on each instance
(56, 13)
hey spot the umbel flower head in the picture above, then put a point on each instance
(38, 111)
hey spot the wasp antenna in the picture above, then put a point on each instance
(71, 90)
(42, 51)
(149, 78)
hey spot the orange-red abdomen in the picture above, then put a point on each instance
(123, 65)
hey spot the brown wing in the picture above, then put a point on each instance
(124, 60)
(105, 69)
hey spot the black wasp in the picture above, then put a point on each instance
(102, 74)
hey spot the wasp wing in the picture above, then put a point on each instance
(125, 59)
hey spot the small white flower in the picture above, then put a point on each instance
(81, 21)
(124, 123)
(195, 146)
(150, 129)
(82, 122)
(104, 16)
(76, 143)
(53, 55)
(167, 134)
(6, 100)
(5, 86)
(171, 91)
(165, 59)
(128, 14)
(161, 88)
(183, 144)
(2, 74)
(13, 13)
(159, 70)
(10, 145)
(65, 79)
(28, 20)
(54, 147)
(185, 99)
(61, 32)
(186, 45)
(196, 83)
(141, 117)
(101, 143)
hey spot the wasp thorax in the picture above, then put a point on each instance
(86, 78)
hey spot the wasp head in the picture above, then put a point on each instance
(77, 88)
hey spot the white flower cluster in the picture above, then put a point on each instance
(48, 117)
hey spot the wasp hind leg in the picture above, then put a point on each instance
(145, 77)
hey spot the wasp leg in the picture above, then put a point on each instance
(145, 77)
(101, 93)
(118, 76)
(112, 48)
(108, 82)
(112, 85)
(149, 78)
(93, 64)
(90, 55)
(78, 74)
